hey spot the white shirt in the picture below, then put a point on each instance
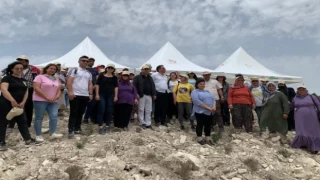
(161, 82)
(81, 80)
(257, 95)
(172, 84)
(212, 86)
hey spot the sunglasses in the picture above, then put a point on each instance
(110, 67)
(85, 61)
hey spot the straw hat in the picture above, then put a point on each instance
(111, 65)
(206, 73)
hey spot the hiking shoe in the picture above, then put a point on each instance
(107, 129)
(150, 127)
(55, 136)
(78, 131)
(182, 127)
(85, 121)
(3, 146)
(143, 126)
(31, 142)
(39, 139)
(9, 130)
(101, 131)
(71, 135)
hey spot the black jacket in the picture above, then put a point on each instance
(138, 84)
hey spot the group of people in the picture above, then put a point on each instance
(102, 95)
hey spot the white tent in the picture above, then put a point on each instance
(88, 48)
(241, 62)
(173, 60)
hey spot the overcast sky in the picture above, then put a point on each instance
(282, 35)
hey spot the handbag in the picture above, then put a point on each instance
(316, 108)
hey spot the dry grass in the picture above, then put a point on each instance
(138, 130)
(216, 137)
(252, 164)
(75, 172)
(184, 171)
(285, 153)
(90, 129)
(80, 145)
(228, 148)
(151, 157)
(138, 142)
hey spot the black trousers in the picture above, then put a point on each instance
(291, 124)
(28, 109)
(203, 122)
(22, 126)
(225, 113)
(122, 114)
(161, 106)
(77, 108)
(172, 108)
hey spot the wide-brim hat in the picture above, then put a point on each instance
(23, 57)
(111, 65)
(125, 73)
(206, 73)
(184, 75)
(145, 67)
(254, 79)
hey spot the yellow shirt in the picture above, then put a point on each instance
(183, 91)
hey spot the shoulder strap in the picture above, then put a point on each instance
(314, 103)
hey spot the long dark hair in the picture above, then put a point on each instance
(45, 69)
(199, 80)
(223, 81)
(9, 71)
(195, 77)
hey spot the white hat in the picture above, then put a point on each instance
(125, 73)
(111, 65)
(22, 57)
(301, 86)
(264, 79)
(281, 82)
(184, 75)
(254, 79)
(149, 65)
(206, 73)
(14, 112)
(145, 67)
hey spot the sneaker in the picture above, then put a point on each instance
(3, 146)
(55, 136)
(78, 131)
(9, 130)
(182, 127)
(101, 131)
(71, 135)
(150, 127)
(107, 129)
(31, 142)
(39, 139)
(85, 121)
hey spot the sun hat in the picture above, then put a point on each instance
(184, 75)
(23, 57)
(111, 65)
(206, 73)
(14, 112)
(301, 86)
(145, 67)
(149, 65)
(281, 82)
(254, 79)
(125, 73)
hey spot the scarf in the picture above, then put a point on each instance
(269, 94)
(237, 84)
(53, 78)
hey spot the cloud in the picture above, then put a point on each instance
(147, 22)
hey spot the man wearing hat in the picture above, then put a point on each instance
(94, 72)
(215, 88)
(146, 90)
(29, 73)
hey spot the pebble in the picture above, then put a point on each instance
(183, 139)
(276, 139)
(242, 171)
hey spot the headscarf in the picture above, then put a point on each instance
(238, 84)
(269, 94)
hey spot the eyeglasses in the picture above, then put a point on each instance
(85, 61)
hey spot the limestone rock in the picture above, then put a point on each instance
(145, 171)
(183, 139)
(276, 139)
(180, 160)
(3, 165)
(307, 161)
(52, 174)
(100, 153)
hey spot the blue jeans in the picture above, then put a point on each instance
(66, 98)
(105, 108)
(40, 107)
(258, 111)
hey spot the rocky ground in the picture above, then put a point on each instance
(163, 154)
